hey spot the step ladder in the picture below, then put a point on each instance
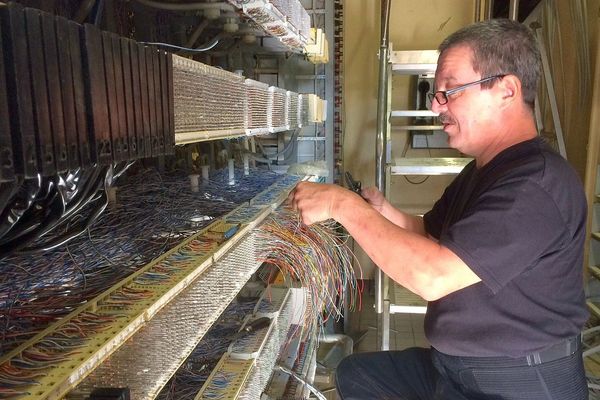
(393, 298)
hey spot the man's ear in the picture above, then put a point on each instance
(510, 89)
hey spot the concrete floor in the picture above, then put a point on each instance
(406, 330)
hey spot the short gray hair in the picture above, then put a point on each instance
(501, 46)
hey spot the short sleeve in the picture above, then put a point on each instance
(434, 219)
(507, 230)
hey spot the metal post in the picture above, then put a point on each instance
(539, 123)
(477, 16)
(382, 121)
(329, 90)
(489, 9)
(384, 320)
(380, 147)
(536, 27)
(513, 10)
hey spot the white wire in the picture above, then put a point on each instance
(310, 387)
(207, 47)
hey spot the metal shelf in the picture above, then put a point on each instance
(202, 136)
(428, 166)
(412, 113)
(414, 62)
(154, 318)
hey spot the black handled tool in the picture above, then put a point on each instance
(251, 327)
(353, 185)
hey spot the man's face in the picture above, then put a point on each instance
(469, 115)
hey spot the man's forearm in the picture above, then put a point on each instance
(408, 257)
(409, 222)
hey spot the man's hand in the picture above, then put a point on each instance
(374, 197)
(317, 202)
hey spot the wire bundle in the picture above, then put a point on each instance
(32, 363)
(188, 380)
(275, 343)
(217, 389)
(292, 387)
(154, 213)
(43, 213)
(317, 257)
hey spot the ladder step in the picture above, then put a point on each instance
(428, 166)
(413, 113)
(417, 127)
(401, 309)
(414, 62)
(406, 302)
(594, 309)
(595, 271)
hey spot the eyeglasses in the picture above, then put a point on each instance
(441, 96)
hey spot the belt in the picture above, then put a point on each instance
(557, 351)
(562, 349)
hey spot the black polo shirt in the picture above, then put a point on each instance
(519, 224)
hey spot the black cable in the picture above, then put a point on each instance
(84, 9)
(61, 211)
(415, 182)
(71, 234)
(287, 147)
(41, 208)
(47, 200)
(99, 12)
(7, 191)
(21, 201)
(49, 215)
(51, 222)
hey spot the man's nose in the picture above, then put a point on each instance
(436, 107)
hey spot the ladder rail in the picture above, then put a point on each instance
(383, 127)
(550, 90)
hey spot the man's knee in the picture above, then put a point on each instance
(395, 374)
(347, 368)
(357, 366)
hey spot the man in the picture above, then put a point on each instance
(499, 257)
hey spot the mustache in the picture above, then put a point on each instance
(445, 119)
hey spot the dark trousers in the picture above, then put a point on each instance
(426, 374)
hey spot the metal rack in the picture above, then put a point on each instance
(213, 104)
(142, 342)
(253, 360)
